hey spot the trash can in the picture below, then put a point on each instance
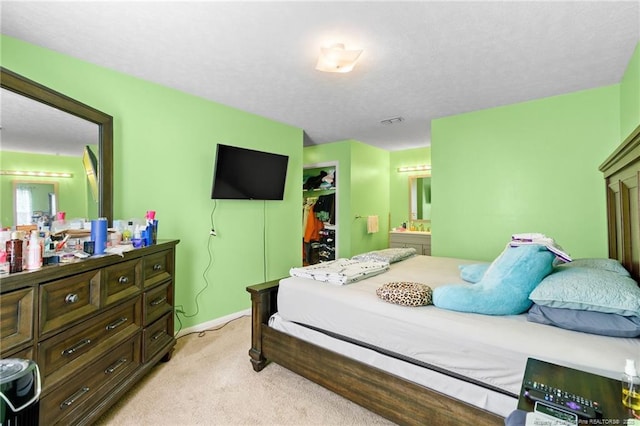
(19, 392)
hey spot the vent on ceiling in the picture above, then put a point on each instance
(393, 120)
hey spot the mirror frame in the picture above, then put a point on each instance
(33, 90)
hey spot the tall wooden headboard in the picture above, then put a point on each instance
(622, 176)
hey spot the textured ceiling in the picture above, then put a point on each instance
(422, 60)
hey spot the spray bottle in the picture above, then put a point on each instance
(631, 386)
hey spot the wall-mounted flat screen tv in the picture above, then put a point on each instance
(247, 174)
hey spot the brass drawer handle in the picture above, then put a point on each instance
(123, 280)
(77, 347)
(71, 298)
(158, 335)
(159, 301)
(117, 323)
(73, 398)
(115, 366)
(157, 267)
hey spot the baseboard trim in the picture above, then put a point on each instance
(214, 323)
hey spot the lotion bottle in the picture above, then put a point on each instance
(631, 386)
(34, 252)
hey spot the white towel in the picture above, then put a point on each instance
(372, 224)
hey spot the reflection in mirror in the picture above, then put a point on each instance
(35, 202)
(43, 130)
(420, 198)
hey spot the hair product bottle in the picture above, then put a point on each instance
(14, 252)
(631, 386)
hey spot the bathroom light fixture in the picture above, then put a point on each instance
(420, 168)
(35, 174)
(336, 58)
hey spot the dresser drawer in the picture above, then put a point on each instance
(157, 336)
(16, 318)
(158, 267)
(67, 403)
(122, 280)
(158, 302)
(70, 352)
(69, 299)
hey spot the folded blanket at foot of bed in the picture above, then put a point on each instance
(341, 271)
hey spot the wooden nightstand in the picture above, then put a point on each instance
(606, 392)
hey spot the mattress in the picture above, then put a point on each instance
(487, 351)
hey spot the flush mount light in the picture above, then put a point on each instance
(393, 120)
(336, 58)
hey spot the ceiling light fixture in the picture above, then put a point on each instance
(420, 168)
(336, 58)
(392, 120)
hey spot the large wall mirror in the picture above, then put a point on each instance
(420, 198)
(43, 130)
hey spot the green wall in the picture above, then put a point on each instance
(362, 186)
(164, 148)
(399, 181)
(528, 167)
(369, 196)
(72, 192)
(630, 96)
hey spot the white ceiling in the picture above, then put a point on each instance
(422, 59)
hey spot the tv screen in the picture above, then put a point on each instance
(247, 174)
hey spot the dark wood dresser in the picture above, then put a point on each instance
(94, 327)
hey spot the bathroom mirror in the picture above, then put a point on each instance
(420, 198)
(54, 119)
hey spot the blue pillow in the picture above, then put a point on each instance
(592, 322)
(605, 264)
(474, 272)
(505, 287)
(589, 289)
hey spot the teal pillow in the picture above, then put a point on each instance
(504, 288)
(589, 289)
(597, 263)
(474, 272)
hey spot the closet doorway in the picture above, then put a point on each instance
(319, 213)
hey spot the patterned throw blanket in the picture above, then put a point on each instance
(390, 255)
(340, 271)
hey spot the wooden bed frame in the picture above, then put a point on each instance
(400, 400)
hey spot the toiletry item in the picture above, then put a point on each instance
(34, 252)
(62, 243)
(127, 233)
(99, 234)
(145, 235)
(60, 216)
(152, 227)
(4, 265)
(14, 252)
(137, 239)
(631, 386)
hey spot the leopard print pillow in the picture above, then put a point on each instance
(406, 293)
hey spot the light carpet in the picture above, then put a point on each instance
(210, 381)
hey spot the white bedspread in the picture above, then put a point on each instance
(489, 349)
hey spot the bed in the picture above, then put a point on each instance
(445, 374)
